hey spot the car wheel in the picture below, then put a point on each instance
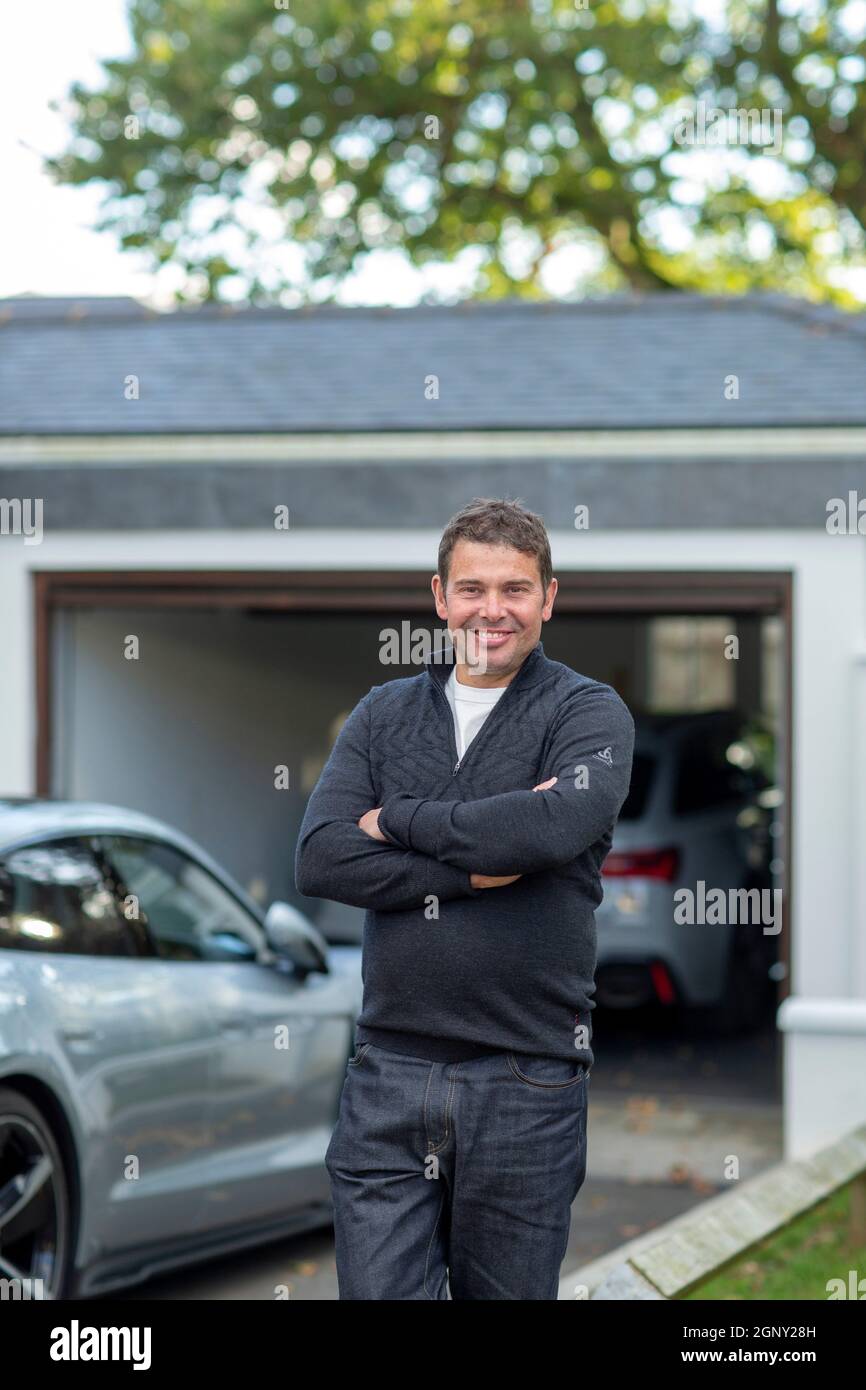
(35, 1216)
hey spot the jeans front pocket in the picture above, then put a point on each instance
(550, 1073)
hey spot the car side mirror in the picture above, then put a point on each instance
(289, 933)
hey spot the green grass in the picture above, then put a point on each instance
(795, 1263)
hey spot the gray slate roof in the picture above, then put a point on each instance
(625, 362)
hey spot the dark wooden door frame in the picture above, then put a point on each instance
(311, 591)
(314, 591)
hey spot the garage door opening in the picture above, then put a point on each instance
(185, 695)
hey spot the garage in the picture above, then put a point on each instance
(162, 607)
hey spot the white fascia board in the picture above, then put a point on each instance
(443, 446)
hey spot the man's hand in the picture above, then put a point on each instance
(369, 822)
(485, 880)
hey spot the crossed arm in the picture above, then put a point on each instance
(336, 859)
(520, 832)
(370, 824)
(450, 848)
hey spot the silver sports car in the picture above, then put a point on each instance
(171, 1057)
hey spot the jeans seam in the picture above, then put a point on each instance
(432, 1148)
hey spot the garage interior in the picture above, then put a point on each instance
(237, 675)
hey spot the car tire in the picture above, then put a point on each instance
(27, 1142)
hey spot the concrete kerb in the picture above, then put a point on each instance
(670, 1260)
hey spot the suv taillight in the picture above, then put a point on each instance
(642, 863)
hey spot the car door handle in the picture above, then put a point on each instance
(234, 1027)
(80, 1037)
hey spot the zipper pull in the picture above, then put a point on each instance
(456, 768)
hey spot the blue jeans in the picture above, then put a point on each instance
(456, 1176)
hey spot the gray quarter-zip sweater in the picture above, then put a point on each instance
(451, 971)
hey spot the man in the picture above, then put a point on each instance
(469, 808)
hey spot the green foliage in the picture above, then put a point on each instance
(241, 135)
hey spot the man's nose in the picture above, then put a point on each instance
(492, 608)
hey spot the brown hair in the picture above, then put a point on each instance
(498, 521)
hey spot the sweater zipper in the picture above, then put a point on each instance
(440, 692)
(491, 716)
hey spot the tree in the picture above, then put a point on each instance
(264, 151)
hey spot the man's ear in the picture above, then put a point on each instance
(439, 596)
(552, 590)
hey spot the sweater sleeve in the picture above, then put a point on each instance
(521, 832)
(335, 859)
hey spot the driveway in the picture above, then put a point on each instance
(667, 1110)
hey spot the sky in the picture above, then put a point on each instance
(48, 244)
(50, 247)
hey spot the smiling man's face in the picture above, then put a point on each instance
(495, 593)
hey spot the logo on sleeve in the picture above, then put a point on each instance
(606, 756)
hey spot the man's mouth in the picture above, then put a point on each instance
(493, 636)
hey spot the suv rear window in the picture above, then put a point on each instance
(705, 778)
(642, 769)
